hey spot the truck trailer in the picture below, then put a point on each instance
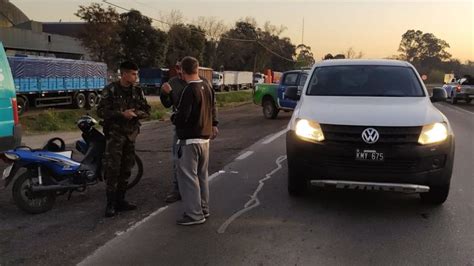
(45, 81)
(232, 80)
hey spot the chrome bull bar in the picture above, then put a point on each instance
(395, 187)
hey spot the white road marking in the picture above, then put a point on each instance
(210, 178)
(275, 136)
(254, 201)
(244, 155)
(459, 109)
(160, 210)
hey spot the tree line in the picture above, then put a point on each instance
(111, 37)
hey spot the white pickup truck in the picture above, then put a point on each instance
(461, 89)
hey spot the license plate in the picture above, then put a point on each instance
(7, 171)
(369, 155)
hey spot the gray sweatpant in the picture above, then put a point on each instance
(192, 164)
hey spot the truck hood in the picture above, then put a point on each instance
(369, 111)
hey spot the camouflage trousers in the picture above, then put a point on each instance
(118, 161)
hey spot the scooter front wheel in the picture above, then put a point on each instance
(137, 173)
(29, 201)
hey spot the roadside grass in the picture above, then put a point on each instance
(233, 98)
(51, 119)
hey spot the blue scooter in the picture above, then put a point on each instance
(51, 171)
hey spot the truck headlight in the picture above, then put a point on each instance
(433, 133)
(309, 130)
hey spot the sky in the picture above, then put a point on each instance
(373, 27)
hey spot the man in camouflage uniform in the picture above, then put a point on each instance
(122, 106)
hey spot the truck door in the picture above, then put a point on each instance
(288, 80)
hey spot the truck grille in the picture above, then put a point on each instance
(397, 135)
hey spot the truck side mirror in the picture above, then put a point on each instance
(292, 93)
(439, 95)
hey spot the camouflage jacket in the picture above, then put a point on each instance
(115, 100)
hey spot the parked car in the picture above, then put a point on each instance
(369, 125)
(461, 89)
(10, 128)
(272, 96)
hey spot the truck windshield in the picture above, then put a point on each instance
(358, 80)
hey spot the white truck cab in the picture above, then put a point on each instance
(371, 125)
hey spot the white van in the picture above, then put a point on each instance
(370, 125)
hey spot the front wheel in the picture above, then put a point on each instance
(468, 100)
(270, 111)
(437, 195)
(137, 173)
(28, 201)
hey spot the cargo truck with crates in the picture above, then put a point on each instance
(46, 82)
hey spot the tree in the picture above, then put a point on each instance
(237, 55)
(101, 33)
(424, 50)
(340, 56)
(175, 17)
(184, 40)
(305, 57)
(214, 28)
(328, 56)
(246, 47)
(352, 54)
(142, 43)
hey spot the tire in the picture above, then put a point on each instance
(297, 183)
(22, 105)
(26, 201)
(270, 111)
(436, 195)
(139, 173)
(91, 100)
(453, 99)
(468, 100)
(80, 100)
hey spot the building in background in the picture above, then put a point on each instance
(20, 35)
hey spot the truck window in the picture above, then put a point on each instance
(303, 79)
(357, 80)
(290, 79)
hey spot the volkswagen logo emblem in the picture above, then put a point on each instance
(370, 135)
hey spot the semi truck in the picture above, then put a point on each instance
(232, 80)
(45, 81)
(151, 79)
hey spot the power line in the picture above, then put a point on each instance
(204, 34)
(274, 53)
(170, 24)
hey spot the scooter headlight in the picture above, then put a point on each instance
(10, 156)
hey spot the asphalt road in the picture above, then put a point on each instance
(255, 222)
(73, 229)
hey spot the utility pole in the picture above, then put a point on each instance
(302, 33)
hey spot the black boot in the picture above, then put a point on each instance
(111, 209)
(122, 205)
